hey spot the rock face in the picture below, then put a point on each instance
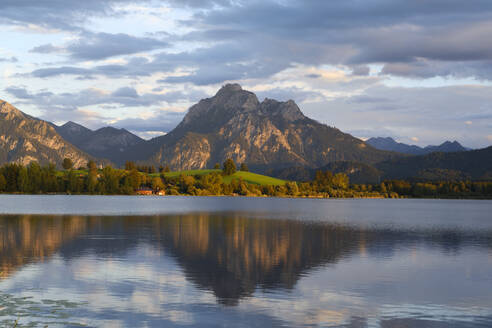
(24, 139)
(391, 145)
(108, 142)
(234, 124)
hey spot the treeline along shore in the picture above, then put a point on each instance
(223, 180)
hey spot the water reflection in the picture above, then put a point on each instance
(275, 272)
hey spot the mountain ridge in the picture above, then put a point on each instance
(107, 142)
(24, 139)
(389, 144)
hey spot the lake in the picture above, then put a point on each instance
(127, 261)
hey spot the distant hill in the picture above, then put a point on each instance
(439, 166)
(24, 139)
(390, 144)
(108, 142)
(269, 134)
(357, 172)
(473, 164)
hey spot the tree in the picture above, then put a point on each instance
(23, 180)
(91, 165)
(217, 166)
(10, 172)
(157, 184)
(244, 167)
(67, 163)
(340, 181)
(3, 182)
(229, 167)
(49, 182)
(135, 179)
(34, 176)
(130, 166)
(110, 180)
(92, 181)
(292, 188)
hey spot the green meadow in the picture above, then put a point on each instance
(249, 177)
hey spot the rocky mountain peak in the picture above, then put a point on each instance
(230, 87)
(9, 111)
(74, 127)
(229, 101)
(232, 100)
(288, 110)
(233, 97)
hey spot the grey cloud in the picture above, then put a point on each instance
(292, 93)
(412, 112)
(481, 70)
(313, 76)
(19, 92)
(59, 14)
(215, 65)
(97, 46)
(46, 49)
(257, 39)
(64, 70)
(125, 92)
(126, 97)
(451, 42)
(363, 99)
(373, 32)
(205, 4)
(9, 60)
(362, 70)
(94, 46)
(308, 16)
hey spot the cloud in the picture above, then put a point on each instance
(126, 96)
(47, 49)
(290, 93)
(97, 46)
(422, 68)
(22, 93)
(9, 60)
(69, 106)
(433, 114)
(57, 14)
(255, 40)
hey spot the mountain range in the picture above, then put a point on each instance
(270, 137)
(108, 142)
(24, 138)
(234, 124)
(390, 144)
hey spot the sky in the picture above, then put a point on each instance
(418, 71)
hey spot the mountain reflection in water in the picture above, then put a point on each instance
(234, 257)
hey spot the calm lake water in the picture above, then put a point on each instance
(70, 261)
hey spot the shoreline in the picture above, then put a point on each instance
(250, 196)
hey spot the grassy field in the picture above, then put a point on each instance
(254, 178)
(246, 176)
(249, 177)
